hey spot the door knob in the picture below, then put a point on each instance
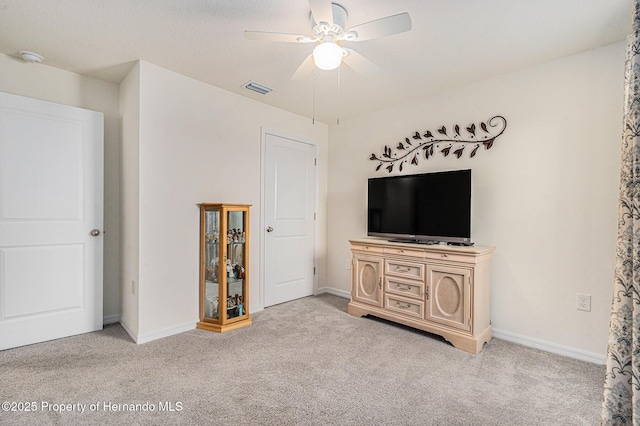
(95, 232)
(269, 229)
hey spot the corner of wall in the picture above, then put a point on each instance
(130, 139)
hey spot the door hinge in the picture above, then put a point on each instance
(314, 216)
(314, 270)
(315, 161)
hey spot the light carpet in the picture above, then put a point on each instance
(305, 362)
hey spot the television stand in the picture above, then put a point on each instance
(436, 288)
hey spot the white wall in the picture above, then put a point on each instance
(199, 143)
(130, 192)
(545, 195)
(40, 81)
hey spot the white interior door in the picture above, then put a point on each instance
(51, 197)
(289, 223)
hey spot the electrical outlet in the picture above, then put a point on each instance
(133, 287)
(348, 264)
(583, 302)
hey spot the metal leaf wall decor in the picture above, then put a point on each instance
(446, 141)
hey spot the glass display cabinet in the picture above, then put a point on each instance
(224, 266)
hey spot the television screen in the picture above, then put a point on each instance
(423, 207)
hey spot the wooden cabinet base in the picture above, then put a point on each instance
(222, 328)
(461, 341)
(443, 290)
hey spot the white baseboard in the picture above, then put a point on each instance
(165, 332)
(497, 333)
(550, 347)
(335, 292)
(128, 329)
(253, 309)
(516, 338)
(110, 319)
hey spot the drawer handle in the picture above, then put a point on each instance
(405, 288)
(444, 255)
(403, 270)
(403, 305)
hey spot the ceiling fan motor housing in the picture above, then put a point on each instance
(335, 28)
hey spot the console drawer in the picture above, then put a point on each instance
(404, 251)
(408, 307)
(449, 257)
(365, 247)
(406, 288)
(404, 269)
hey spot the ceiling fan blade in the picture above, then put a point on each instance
(321, 11)
(359, 63)
(282, 37)
(305, 68)
(394, 24)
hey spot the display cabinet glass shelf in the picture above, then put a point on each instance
(224, 266)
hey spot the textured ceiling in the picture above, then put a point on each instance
(452, 43)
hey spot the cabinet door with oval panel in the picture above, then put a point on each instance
(448, 296)
(367, 272)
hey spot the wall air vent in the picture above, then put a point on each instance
(252, 85)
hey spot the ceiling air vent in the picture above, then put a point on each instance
(252, 85)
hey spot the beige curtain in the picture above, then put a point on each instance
(621, 402)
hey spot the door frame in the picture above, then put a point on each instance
(263, 171)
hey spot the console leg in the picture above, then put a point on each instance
(355, 310)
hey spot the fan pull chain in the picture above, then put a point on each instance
(338, 105)
(313, 103)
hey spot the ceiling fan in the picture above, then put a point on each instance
(328, 22)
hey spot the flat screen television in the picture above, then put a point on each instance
(428, 207)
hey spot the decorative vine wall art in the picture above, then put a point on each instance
(446, 141)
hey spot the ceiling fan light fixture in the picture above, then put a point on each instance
(327, 55)
(328, 24)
